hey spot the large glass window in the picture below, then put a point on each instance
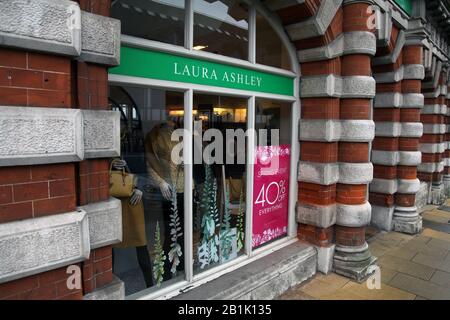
(152, 250)
(220, 123)
(270, 50)
(221, 27)
(151, 19)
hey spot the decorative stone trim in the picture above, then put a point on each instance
(317, 25)
(59, 27)
(105, 222)
(46, 135)
(55, 135)
(435, 109)
(405, 72)
(337, 130)
(401, 129)
(398, 100)
(431, 167)
(319, 216)
(356, 42)
(408, 186)
(393, 158)
(336, 86)
(33, 246)
(386, 186)
(355, 173)
(331, 173)
(319, 173)
(434, 128)
(432, 147)
(101, 133)
(353, 215)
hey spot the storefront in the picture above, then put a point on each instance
(225, 74)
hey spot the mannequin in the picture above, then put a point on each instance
(133, 224)
(165, 175)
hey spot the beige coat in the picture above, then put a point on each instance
(160, 167)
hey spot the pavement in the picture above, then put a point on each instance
(411, 267)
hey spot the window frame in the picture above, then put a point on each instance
(250, 254)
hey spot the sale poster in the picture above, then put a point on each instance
(270, 193)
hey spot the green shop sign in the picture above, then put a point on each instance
(164, 66)
(406, 5)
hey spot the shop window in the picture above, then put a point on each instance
(221, 27)
(219, 179)
(151, 19)
(152, 251)
(270, 50)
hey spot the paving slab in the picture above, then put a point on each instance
(386, 292)
(436, 234)
(318, 289)
(417, 270)
(441, 278)
(420, 287)
(432, 262)
(387, 274)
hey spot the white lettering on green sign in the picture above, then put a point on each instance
(211, 74)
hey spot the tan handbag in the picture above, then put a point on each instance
(121, 183)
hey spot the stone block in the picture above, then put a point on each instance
(357, 130)
(409, 158)
(105, 222)
(101, 133)
(320, 173)
(385, 186)
(325, 258)
(385, 158)
(319, 216)
(358, 87)
(388, 129)
(41, 25)
(36, 245)
(408, 186)
(46, 135)
(381, 217)
(100, 39)
(353, 215)
(355, 173)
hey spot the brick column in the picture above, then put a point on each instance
(447, 142)
(433, 143)
(352, 257)
(92, 94)
(406, 218)
(318, 167)
(385, 146)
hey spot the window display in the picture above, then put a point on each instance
(219, 198)
(153, 216)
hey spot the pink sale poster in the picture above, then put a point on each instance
(270, 193)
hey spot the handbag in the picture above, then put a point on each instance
(121, 182)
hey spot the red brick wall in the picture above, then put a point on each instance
(50, 285)
(42, 80)
(32, 79)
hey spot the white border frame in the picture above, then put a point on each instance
(191, 281)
